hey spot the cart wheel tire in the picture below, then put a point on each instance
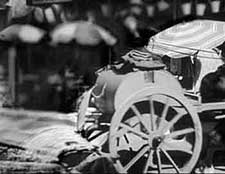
(155, 130)
(83, 106)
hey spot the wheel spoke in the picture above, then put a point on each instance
(149, 161)
(170, 124)
(136, 158)
(159, 163)
(121, 132)
(171, 160)
(139, 133)
(179, 109)
(138, 114)
(164, 113)
(119, 167)
(180, 132)
(152, 113)
(177, 145)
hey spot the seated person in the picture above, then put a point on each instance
(212, 87)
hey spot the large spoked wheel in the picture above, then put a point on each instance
(155, 131)
(83, 106)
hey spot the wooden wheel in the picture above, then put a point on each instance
(83, 106)
(155, 131)
(88, 121)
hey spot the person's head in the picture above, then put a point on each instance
(131, 23)
(220, 72)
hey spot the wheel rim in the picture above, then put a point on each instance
(82, 110)
(155, 131)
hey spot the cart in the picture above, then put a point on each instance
(139, 113)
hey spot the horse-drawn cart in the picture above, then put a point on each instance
(140, 114)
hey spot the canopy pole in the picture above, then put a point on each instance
(12, 72)
(174, 10)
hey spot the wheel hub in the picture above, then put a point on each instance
(156, 142)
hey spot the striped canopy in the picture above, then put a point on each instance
(188, 38)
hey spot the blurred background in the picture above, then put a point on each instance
(44, 65)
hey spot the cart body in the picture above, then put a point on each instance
(112, 88)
